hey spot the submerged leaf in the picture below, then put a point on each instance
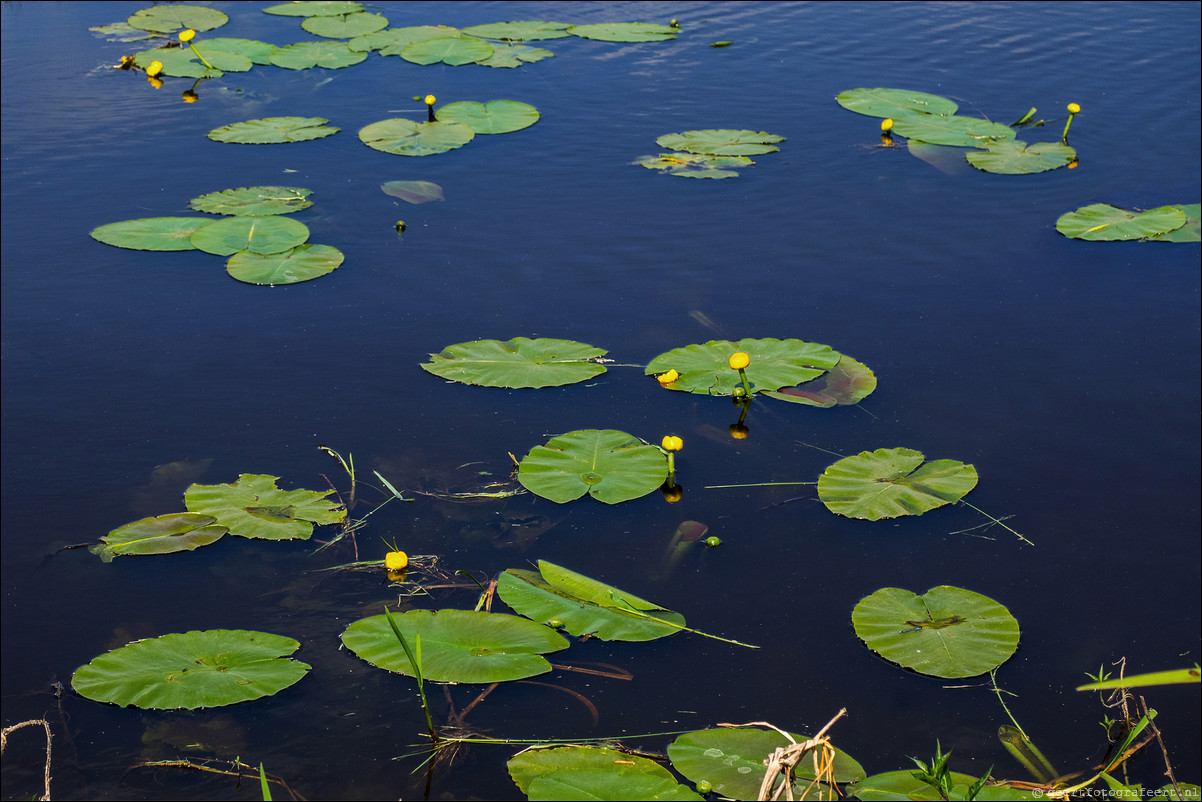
(609, 465)
(1101, 222)
(413, 191)
(520, 362)
(164, 534)
(889, 482)
(408, 138)
(273, 130)
(254, 507)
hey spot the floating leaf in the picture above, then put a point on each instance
(520, 362)
(188, 670)
(172, 18)
(524, 31)
(257, 52)
(314, 8)
(592, 772)
(955, 131)
(152, 233)
(1014, 157)
(455, 51)
(254, 507)
(182, 63)
(732, 761)
(584, 605)
(509, 56)
(721, 142)
(306, 55)
(273, 130)
(888, 483)
(848, 382)
(408, 138)
(393, 41)
(893, 102)
(1101, 222)
(254, 201)
(609, 465)
(413, 191)
(903, 786)
(266, 234)
(1190, 232)
(493, 117)
(345, 27)
(165, 534)
(947, 632)
(121, 32)
(302, 263)
(696, 165)
(457, 645)
(624, 32)
(705, 369)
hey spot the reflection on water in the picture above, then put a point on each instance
(1066, 372)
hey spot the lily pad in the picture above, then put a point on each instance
(722, 142)
(151, 233)
(345, 27)
(696, 165)
(189, 670)
(609, 465)
(408, 138)
(266, 234)
(624, 31)
(523, 31)
(254, 507)
(393, 41)
(584, 605)
(520, 362)
(121, 32)
(314, 8)
(455, 51)
(903, 786)
(165, 534)
(493, 117)
(1190, 232)
(302, 263)
(510, 56)
(413, 191)
(181, 63)
(889, 482)
(592, 772)
(1015, 157)
(732, 761)
(457, 645)
(273, 130)
(258, 52)
(172, 18)
(1101, 222)
(848, 382)
(883, 102)
(705, 369)
(954, 130)
(306, 55)
(946, 632)
(254, 201)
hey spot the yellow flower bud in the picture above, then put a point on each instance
(155, 68)
(396, 560)
(1073, 108)
(671, 443)
(669, 377)
(886, 125)
(739, 360)
(187, 35)
(431, 100)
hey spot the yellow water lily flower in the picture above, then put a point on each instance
(669, 377)
(671, 443)
(1073, 108)
(187, 35)
(739, 360)
(431, 100)
(396, 560)
(886, 125)
(155, 68)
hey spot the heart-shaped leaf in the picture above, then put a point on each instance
(593, 772)
(1101, 222)
(254, 507)
(611, 466)
(266, 234)
(889, 482)
(152, 233)
(408, 138)
(520, 362)
(273, 130)
(493, 117)
(302, 263)
(883, 102)
(165, 534)
(705, 369)
(254, 201)
(722, 142)
(1014, 157)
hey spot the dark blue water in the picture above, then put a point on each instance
(1067, 372)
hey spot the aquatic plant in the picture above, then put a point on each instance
(609, 465)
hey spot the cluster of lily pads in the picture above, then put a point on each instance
(263, 246)
(710, 153)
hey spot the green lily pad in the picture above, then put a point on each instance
(523, 31)
(584, 605)
(509, 56)
(1014, 157)
(121, 32)
(903, 786)
(254, 201)
(408, 138)
(1101, 222)
(302, 263)
(696, 165)
(969, 132)
(314, 8)
(258, 52)
(189, 670)
(732, 761)
(721, 142)
(151, 233)
(520, 362)
(609, 465)
(172, 18)
(848, 382)
(882, 102)
(1190, 232)
(306, 55)
(493, 117)
(413, 191)
(455, 51)
(947, 632)
(254, 507)
(393, 41)
(266, 234)
(888, 483)
(345, 27)
(165, 534)
(591, 772)
(181, 63)
(457, 645)
(273, 130)
(705, 369)
(624, 32)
